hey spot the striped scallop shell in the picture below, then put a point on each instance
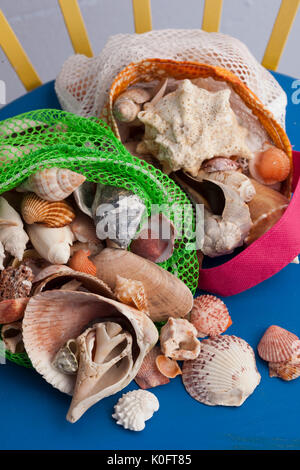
(52, 214)
(80, 262)
(52, 184)
(285, 370)
(132, 293)
(278, 345)
(210, 316)
(224, 373)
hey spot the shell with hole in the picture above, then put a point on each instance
(167, 295)
(54, 317)
(178, 340)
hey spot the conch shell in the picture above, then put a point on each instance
(167, 296)
(54, 317)
(51, 214)
(52, 184)
(12, 235)
(53, 244)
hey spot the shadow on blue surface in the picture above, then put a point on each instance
(33, 413)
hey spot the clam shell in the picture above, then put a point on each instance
(168, 367)
(224, 373)
(80, 262)
(149, 375)
(167, 295)
(53, 317)
(210, 316)
(52, 184)
(278, 345)
(52, 214)
(134, 408)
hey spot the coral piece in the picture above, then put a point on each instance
(149, 375)
(132, 293)
(191, 125)
(53, 244)
(52, 184)
(15, 283)
(11, 334)
(51, 214)
(278, 345)
(210, 316)
(178, 340)
(134, 408)
(80, 262)
(224, 373)
(168, 367)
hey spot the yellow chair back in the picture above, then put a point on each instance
(143, 23)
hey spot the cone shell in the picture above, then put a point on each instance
(52, 214)
(168, 367)
(132, 293)
(54, 317)
(224, 373)
(153, 69)
(167, 296)
(266, 208)
(210, 316)
(278, 345)
(80, 262)
(53, 184)
(285, 370)
(149, 375)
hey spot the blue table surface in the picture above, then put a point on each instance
(33, 413)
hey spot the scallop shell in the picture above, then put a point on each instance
(52, 214)
(167, 295)
(210, 316)
(168, 367)
(178, 340)
(80, 262)
(11, 334)
(224, 373)
(134, 408)
(149, 375)
(53, 317)
(278, 345)
(131, 293)
(52, 184)
(12, 310)
(288, 370)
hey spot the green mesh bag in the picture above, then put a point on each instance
(51, 138)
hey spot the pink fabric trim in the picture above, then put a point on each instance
(265, 257)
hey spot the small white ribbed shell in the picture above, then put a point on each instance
(224, 373)
(134, 408)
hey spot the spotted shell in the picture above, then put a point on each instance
(131, 292)
(278, 345)
(80, 262)
(288, 370)
(52, 214)
(210, 316)
(224, 373)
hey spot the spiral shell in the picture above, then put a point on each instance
(132, 293)
(52, 214)
(134, 408)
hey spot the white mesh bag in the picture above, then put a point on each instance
(83, 83)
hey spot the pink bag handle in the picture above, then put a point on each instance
(263, 258)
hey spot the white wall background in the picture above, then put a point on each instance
(40, 27)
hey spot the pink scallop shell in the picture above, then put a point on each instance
(148, 375)
(210, 316)
(278, 345)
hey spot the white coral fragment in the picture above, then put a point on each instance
(134, 408)
(191, 125)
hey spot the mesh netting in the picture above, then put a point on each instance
(83, 83)
(51, 138)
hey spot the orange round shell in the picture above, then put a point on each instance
(131, 293)
(81, 262)
(278, 345)
(148, 375)
(271, 166)
(152, 69)
(168, 367)
(210, 316)
(52, 214)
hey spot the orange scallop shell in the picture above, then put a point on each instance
(153, 69)
(80, 262)
(210, 316)
(131, 293)
(167, 366)
(285, 370)
(278, 345)
(52, 214)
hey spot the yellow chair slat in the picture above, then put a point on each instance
(212, 15)
(142, 15)
(76, 27)
(17, 56)
(280, 33)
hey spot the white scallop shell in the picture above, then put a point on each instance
(224, 373)
(134, 408)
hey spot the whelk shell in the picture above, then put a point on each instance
(167, 295)
(134, 408)
(278, 345)
(178, 339)
(210, 316)
(51, 214)
(149, 375)
(224, 373)
(52, 184)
